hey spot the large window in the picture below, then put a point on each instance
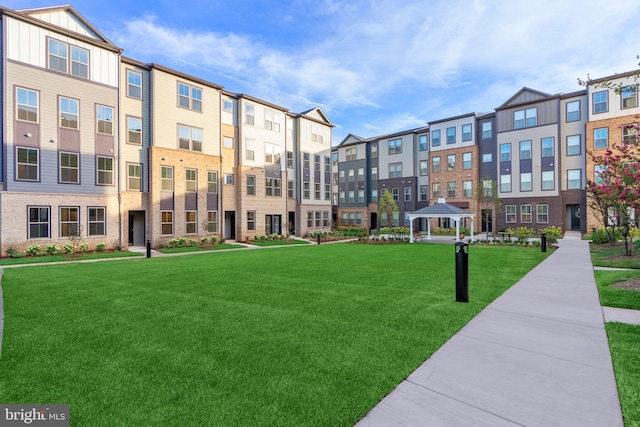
(547, 147)
(435, 138)
(134, 130)
(407, 194)
(629, 96)
(466, 161)
(27, 164)
(166, 178)
(227, 105)
(573, 145)
(227, 142)
(600, 138)
(525, 213)
(548, 181)
(273, 187)
(423, 142)
(451, 135)
(423, 167)
(104, 118)
(134, 84)
(374, 151)
(251, 185)
(166, 222)
(525, 181)
(435, 164)
(189, 97)
(352, 154)
(486, 130)
(510, 212)
(59, 53)
(395, 170)
(600, 102)
(436, 188)
(395, 193)
(191, 180)
(374, 196)
(250, 149)
(467, 188)
(68, 113)
(251, 220)
(212, 221)
(525, 118)
(105, 170)
(306, 190)
(424, 193)
(69, 168)
(630, 134)
(228, 179)
(189, 138)
(306, 161)
(290, 189)
(249, 114)
(97, 221)
(525, 150)
(505, 183)
(69, 221)
(327, 191)
(352, 175)
(360, 174)
(374, 173)
(487, 158)
(360, 196)
(574, 179)
(542, 214)
(451, 162)
(134, 177)
(271, 121)
(352, 196)
(466, 132)
(573, 111)
(27, 105)
(451, 189)
(212, 182)
(505, 152)
(191, 222)
(272, 154)
(39, 222)
(597, 178)
(395, 146)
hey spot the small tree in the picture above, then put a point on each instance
(75, 236)
(488, 199)
(387, 207)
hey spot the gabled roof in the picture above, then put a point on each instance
(461, 116)
(351, 139)
(315, 114)
(525, 95)
(442, 209)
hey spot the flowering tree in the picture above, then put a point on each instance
(615, 194)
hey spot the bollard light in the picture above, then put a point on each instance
(462, 271)
(148, 248)
(543, 241)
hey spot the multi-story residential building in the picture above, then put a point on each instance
(124, 152)
(613, 109)
(487, 171)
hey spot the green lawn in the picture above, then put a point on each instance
(201, 248)
(280, 242)
(606, 255)
(615, 297)
(623, 342)
(313, 336)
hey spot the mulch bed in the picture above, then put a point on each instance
(631, 284)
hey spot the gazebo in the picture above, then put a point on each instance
(441, 210)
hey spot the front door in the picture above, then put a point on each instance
(374, 221)
(136, 228)
(292, 223)
(575, 218)
(230, 225)
(487, 221)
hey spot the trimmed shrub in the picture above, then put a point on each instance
(52, 249)
(33, 250)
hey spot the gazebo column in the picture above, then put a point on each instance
(428, 228)
(410, 229)
(472, 227)
(457, 228)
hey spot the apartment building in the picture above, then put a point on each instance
(125, 152)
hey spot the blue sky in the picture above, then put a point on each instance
(376, 67)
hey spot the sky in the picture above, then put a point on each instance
(376, 67)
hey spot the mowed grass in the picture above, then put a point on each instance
(623, 342)
(617, 297)
(314, 336)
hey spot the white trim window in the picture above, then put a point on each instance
(27, 164)
(105, 170)
(189, 97)
(69, 219)
(69, 113)
(27, 104)
(69, 168)
(58, 56)
(104, 118)
(134, 130)
(97, 220)
(134, 84)
(39, 222)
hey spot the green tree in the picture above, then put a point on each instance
(387, 207)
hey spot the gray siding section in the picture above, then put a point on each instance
(487, 146)
(191, 201)
(547, 114)
(166, 201)
(212, 202)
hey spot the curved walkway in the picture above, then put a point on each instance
(537, 356)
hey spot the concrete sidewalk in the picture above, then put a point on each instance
(537, 356)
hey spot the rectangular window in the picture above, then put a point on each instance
(574, 179)
(505, 152)
(487, 187)
(166, 178)
(547, 147)
(360, 174)
(486, 130)
(423, 142)
(351, 175)
(227, 105)
(436, 190)
(327, 164)
(251, 185)
(227, 142)
(451, 135)
(104, 118)
(600, 102)
(289, 155)
(466, 132)
(68, 113)
(573, 111)
(525, 150)
(466, 161)
(597, 178)
(435, 138)
(251, 220)
(360, 196)
(542, 214)
(249, 115)
(79, 62)
(352, 196)
(358, 218)
(105, 170)
(525, 181)
(374, 196)
(629, 96)
(134, 84)
(316, 133)
(435, 164)
(316, 192)
(318, 219)
(374, 173)
(548, 181)
(351, 154)
(39, 222)
(27, 103)
(423, 167)
(395, 146)
(424, 193)
(467, 189)
(228, 179)
(327, 192)
(451, 189)
(341, 173)
(573, 145)
(212, 221)
(487, 158)
(306, 160)
(69, 222)
(525, 118)
(316, 162)
(352, 218)
(250, 150)
(510, 211)
(98, 221)
(374, 151)
(601, 138)
(395, 192)
(325, 218)
(407, 194)
(134, 177)
(189, 97)
(134, 130)
(212, 182)
(395, 170)
(27, 164)
(505, 183)
(166, 222)
(191, 180)
(191, 222)
(290, 189)
(451, 162)
(306, 190)
(58, 56)
(69, 167)
(189, 138)
(342, 197)
(334, 178)
(525, 213)
(630, 134)
(310, 218)
(272, 154)
(270, 121)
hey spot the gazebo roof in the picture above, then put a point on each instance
(442, 209)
